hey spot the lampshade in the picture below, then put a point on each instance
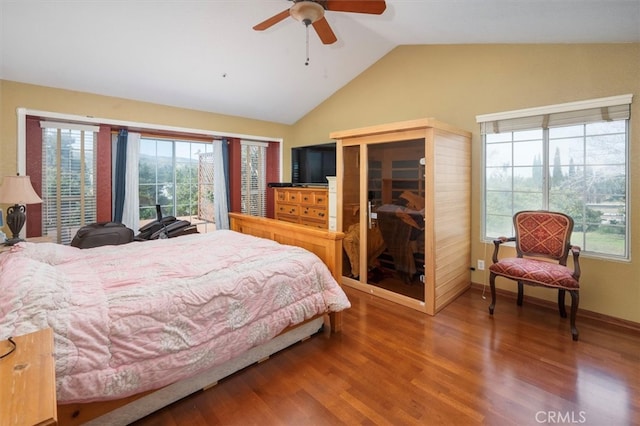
(307, 12)
(18, 190)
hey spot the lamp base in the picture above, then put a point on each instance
(12, 241)
(16, 218)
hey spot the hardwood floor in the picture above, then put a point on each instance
(395, 366)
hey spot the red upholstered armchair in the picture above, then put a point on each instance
(542, 246)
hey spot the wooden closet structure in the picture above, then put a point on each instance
(405, 194)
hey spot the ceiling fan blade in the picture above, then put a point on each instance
(272, 21)
(324, 31)
(374, 7)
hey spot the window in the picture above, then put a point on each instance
(254, 182)
(177, 175)
(185, 189)
(571, 158)
(68, 179)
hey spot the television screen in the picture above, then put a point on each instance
(310, 165)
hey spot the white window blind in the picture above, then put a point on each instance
(68, 179)
(592, 111)
(254, 181)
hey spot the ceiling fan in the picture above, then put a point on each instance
(311, 12)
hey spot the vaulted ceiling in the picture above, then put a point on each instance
(204, 55)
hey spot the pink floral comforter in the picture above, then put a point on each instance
(143, 315)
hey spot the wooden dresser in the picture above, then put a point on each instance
(307, 206)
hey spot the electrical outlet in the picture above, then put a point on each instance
(480, 265)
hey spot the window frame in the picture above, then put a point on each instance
(530, 119)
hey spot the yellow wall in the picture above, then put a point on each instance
(14, 95)
(456, 83)
(452, 83)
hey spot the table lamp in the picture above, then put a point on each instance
(17, 190)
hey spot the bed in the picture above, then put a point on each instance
(142, 325)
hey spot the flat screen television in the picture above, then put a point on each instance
(310, 165)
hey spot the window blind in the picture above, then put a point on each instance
(253, 181)
(596, 110)
(68, 179)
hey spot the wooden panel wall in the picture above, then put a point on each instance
(452, 210)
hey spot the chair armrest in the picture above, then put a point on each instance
(497, 243)
(575, 251)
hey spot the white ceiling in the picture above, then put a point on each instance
(204, 55)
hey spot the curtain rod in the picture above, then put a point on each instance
(88, 119)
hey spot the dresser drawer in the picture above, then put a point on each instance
(321, 198)
(288, 209)
(315, 224)
(314, 213)
(314, 198)
(292, 196)
(285, 218)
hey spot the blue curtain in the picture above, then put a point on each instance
(225, 160)
(120, 173)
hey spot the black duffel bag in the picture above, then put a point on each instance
(102, 234)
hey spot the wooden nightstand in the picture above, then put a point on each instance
(45, 239)
(27, 381)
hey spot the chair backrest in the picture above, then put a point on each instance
(542, 233)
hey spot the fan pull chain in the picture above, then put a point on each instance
(307, 29)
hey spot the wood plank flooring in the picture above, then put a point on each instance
(395, 366)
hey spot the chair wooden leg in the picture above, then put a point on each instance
(561, 308)
(575, 300)
(492, 284)
(520, 292)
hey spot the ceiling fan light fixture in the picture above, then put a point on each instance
(307, 12)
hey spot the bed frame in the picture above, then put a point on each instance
(325, 244)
